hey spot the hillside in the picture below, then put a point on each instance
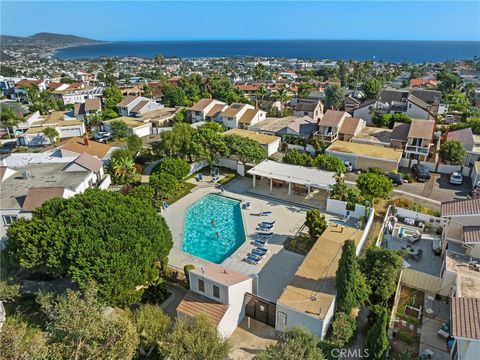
(45, 38)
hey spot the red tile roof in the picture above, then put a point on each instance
(471, 234)
(194, 304)
(465, 317)
(461, 207)
(37, 196)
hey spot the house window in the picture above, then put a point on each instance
(216, 291)
(8, 219)
(282, 318)
(201, 285)
(305, 113)
(409, 106)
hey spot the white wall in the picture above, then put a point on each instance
(295, 318)
(105, 182)
(208, 288)
(468, 349)
(416, 112)
(340, 208)
(142, 131)
(236, 311)
(272, 148)
(310, 149)
(197, 166)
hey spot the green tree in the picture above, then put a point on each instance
(371, 88)
(296, 344)
(51, 133)
(374, 185)
(329, 163)
(79, 328)
(107, 76)
(164, 184)
(315, 223)
(7, 71)
(334, 97)
(147, 91)
(9, 292)
(81, 237)
(282, 96)
(9, 118)
(296, 157)
(111, 97)
(176, 167)
(209, 144)
(304, 89)
(180, 116)
(343, 329)
(121, 154)
(453, 152)
(174, 96)
(380, 267)
(119, 129)
(448, 81)
(376, 341)
(134, 143)
(352, 289)
(260, 72)
(123, 171)
(247, 150)
(261, 92)
(153, 328)
(159, 59)
(195, 339)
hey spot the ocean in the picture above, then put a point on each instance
(386, 51)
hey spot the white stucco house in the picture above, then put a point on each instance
(219, 294)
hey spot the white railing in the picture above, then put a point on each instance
(417, 149)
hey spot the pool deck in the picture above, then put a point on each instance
(277, 267)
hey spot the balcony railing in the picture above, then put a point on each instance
(326, 135)
(417, 149)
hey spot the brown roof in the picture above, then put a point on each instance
(461, 207)
(471, 234)
(219, 274)
(333, 118)
(421, 129)
(465, 317)
(139, 106)
(194, 304)
(312, 289)
(400, 131)
(248, 116)
(88, 162)
(93, 104)
(201, 104)
(215, 109)
(261, 138)
(232, 110)
(126, 100)
(37, 196)
(420, 103)
(350, 126)
(76, 144)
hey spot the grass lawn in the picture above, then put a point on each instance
(182, 190)
(409, 297)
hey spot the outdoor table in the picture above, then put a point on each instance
(411, 251)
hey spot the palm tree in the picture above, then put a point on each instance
(282, 96)
(261, 92)
(159, 59)
(123, 171)
(51, 133)
(9, 118)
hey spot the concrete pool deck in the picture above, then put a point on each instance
(277, 267)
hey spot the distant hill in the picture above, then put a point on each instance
(45, 38)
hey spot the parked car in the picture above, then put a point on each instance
(102, 136)
(396, 178)
(456, 178)
(8, 147)
(348, 166)
(420, 172)
(437, 246)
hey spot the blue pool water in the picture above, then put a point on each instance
(200, 235)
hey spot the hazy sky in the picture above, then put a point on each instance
(181, 20)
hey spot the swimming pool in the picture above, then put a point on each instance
(213, 228)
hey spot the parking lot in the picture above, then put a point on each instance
(438, 188)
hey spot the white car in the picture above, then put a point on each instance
(456, 178)
(348, 165)
(103, 136)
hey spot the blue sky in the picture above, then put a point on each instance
(199, 20)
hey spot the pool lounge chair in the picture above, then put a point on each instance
(250, 260)
(264, 228)
(268, 223)
(264, 234)
(260, 242)
(259, 251)
(265, 213)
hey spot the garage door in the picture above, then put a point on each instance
(345, 157)
(142, 131)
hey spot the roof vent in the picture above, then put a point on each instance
(26, 175)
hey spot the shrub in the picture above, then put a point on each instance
(343, 329)
(176, 167)
(186, 270)
(316, 223)
(296, 157)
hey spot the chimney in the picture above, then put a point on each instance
(85, 140)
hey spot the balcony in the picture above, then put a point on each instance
(329, 136)
(412, 149)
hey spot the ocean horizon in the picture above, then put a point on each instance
(379, 50)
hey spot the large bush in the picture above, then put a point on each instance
(116, 240)
(176, 167)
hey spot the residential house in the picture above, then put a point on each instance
(27, 184)
(462, 225)
(136, 126)
(74, 96)
(269, 142)
(30, 132)
(470, 141)
(218, 293)
(465, 328)
(373, 136)
(136, 106)
(240, 116)
(417, 139)
(350, 104)
(207, 110)
(89, 107)
(78, 145)
(303, 126)
(330, 124)
(423, 83)
(308, 107)
(350, 128)
(271, 107)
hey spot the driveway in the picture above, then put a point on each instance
(438, 188)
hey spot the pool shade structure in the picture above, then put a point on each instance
(213, 228)
(310, 178)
